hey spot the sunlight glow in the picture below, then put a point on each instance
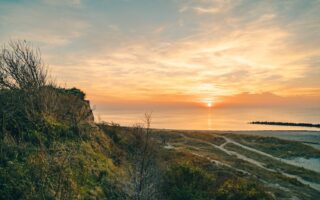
(183, 58)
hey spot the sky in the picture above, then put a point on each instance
(175, 52)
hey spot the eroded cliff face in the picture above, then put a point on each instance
(87, 108)
(90, 117)
(72, 107)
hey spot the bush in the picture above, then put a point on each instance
(240, 189)
(73, 91)
(111, 129)
(186, 182)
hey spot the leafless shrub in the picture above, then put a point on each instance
(21, 67)
(145, 173)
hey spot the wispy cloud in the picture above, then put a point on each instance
(188, 51)
(202, 10)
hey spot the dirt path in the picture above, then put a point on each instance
(228, 140)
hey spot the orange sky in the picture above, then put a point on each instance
(175, 52)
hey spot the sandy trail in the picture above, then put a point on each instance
(228, 140)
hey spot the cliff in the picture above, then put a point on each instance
(50, 148)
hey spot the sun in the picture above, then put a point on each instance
(209, 104)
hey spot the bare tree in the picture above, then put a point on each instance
(21, 67)
(145, 174)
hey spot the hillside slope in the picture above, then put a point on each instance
(53, 150)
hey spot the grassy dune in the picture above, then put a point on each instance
(257, 158)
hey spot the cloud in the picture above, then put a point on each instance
(201, 10)
(234, 61)
(41, 24)
(268, 99)
(190, 52)
(209, 7)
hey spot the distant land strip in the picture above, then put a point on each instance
(286, 124)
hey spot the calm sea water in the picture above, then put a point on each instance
(211, 118)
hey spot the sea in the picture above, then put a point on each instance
(211, 118)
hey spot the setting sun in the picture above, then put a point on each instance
(209, 104)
